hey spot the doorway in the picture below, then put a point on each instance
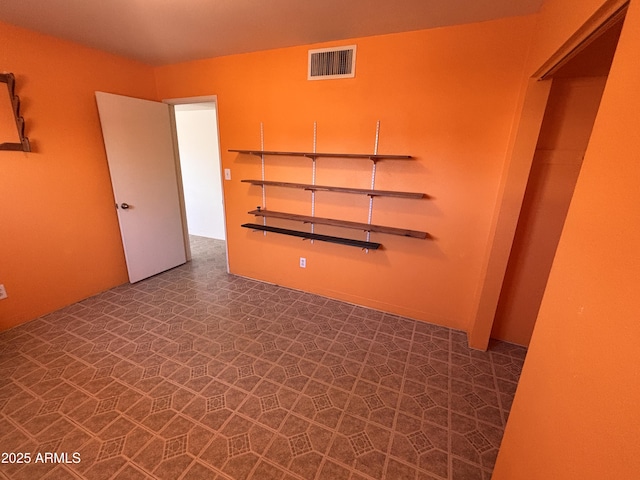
(574, 98)
(198, 147)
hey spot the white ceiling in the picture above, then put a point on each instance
(159, 32)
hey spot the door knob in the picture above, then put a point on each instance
(124, 206)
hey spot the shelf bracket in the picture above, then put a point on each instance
(313, 176)
(264, 193)
(373, 180)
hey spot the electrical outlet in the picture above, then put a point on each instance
(227, 174)
(303, 262)
(3, 292)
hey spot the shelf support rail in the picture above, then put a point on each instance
(373, 181)
(264, 195)
(313, 177)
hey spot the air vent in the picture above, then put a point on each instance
(339, 62)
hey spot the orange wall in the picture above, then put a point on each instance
(575, 413)
(571, 110)
(560, 24)
(59, 237)
(446, 96)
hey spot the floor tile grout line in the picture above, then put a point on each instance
(312, 421)
(450, 411)
(95, 435)
(126, 464)
(498, 394)
(181, 289)
(125, 339)
(105, 427)
(239, 407)
(397, 410)
(334, 436)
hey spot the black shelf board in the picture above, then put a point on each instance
(314, 236)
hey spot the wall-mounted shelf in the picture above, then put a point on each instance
(367, 227)
(23, 145)
(313, 236)
(372, 193)
(325, 188)
(374, 157)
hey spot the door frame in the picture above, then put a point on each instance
(507, 212)
(172, 102)
(515, 177)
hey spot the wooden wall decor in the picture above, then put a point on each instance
(23, 145)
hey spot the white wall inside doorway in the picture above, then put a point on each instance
(197, 131)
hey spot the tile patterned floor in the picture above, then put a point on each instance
(198, 374)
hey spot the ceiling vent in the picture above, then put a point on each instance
(337, 62)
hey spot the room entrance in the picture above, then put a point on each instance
(141, 139)
(571, 110)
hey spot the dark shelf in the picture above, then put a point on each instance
(361, 191)
(341, 223)
(314, 236)
(370, 156)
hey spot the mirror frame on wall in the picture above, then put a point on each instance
(23, 145)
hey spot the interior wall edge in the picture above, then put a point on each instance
(508, 210)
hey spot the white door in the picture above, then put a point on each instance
(138, 140)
